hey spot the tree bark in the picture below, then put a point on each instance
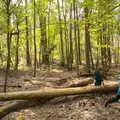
(50, 93)
(8, 44)
(35, 48)
(28, 59)
(87, 39)
(78, 35)
(71, 41)
(75, 37)
(17, 49)
(61, 35)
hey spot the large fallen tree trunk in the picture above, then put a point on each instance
(50, 93)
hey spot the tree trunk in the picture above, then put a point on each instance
(71, 42)
(35, 49)
(8, 44)
(65, 34)
(17, 49)
(87, 39)
(78, 35)
(61, 35)
(28, 60)
(50, 93)
(45, 55)
(1, 54)
(75, 37)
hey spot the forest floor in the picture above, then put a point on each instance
(77, 107)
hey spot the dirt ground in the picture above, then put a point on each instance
(82, 107)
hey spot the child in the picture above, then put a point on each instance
(98, 77)
(115, 99)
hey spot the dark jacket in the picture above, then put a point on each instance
(98, 78)
(118, 92)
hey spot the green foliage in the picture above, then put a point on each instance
(101, 13)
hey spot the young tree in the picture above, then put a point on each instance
(35, 49)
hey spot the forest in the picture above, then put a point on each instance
(59, 59)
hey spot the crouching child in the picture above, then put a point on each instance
(114, 99)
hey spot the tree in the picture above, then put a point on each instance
(7, 7)
(35, 49)
(28, 60)
(61, 34)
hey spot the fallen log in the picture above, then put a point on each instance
(19, 105)
(14, 107)
(81, 83)
(50, 93)
(69, 84)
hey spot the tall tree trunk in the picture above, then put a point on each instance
(118, 50)
(61, 35)
(28, 59)
(105, 47)
(8, 44)
(35, 49)
(78, 35)
(17, 49)
(87, 39)
(75, 37)
(48, 38)
(45, 55)
(109, 44)
(66, 34)
(118, 29)
(71, 42)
